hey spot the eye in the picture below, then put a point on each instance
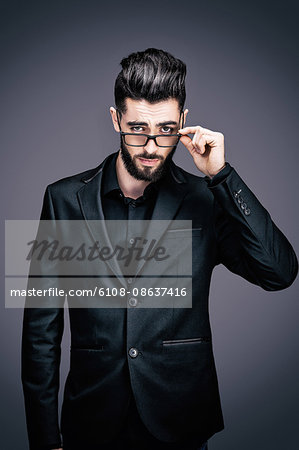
(137, 129)
(168, 130)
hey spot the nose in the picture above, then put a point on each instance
(151, 146)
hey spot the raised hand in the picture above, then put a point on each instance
(206, 148)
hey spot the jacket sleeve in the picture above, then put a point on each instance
(40, 360)
(248, 241)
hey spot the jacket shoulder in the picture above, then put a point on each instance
(74, 182)
(194, 181)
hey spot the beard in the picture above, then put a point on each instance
(147, 173)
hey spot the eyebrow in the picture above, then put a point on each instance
(160, 124)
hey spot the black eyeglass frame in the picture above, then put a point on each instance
(149, 136)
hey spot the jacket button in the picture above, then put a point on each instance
(240, 199)
(133, 301)
(247, 211)
(132, 241)
(243, 205)
(133, 352)
(129, 280)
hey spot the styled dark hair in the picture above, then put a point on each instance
(152, 75)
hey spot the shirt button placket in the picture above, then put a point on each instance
(133, 352)
(133, 302)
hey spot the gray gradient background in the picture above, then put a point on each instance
(58, 65)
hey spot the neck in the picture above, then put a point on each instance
(129, 185)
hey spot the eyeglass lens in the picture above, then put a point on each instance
(162, 141)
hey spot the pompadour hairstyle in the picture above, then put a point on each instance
(152, 75)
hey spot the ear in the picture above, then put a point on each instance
(114, 118)
(184, 116)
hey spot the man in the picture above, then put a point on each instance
(144, 378)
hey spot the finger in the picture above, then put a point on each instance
(187, 141)
(187, 130)
(199, 141)
(196, 141)
(200, 144)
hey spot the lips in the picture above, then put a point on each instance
(148, 162)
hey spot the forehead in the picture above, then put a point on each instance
(142, 109)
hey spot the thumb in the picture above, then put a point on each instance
(187, 141)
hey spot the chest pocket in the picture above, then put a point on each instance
(181, 233)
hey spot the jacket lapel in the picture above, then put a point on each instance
(89, 197)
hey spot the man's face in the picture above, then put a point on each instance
(149, 163)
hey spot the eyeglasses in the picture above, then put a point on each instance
(141, 140)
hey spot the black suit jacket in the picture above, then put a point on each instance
(173, 378)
